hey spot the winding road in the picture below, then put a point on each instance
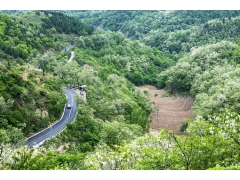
(67, 48)
(67, 117)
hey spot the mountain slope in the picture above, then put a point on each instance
(169, 31)
(34, 101)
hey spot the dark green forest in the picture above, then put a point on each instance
(195, 53)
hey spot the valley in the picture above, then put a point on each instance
(162, 89)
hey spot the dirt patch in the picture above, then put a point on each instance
(38, 80)
(45, 113)
(146, 87)
(25, 75)
(170, 112)
(60, 148)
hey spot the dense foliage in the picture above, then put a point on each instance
(114, 112)
(65, 24)
(29, 104)
(210, 74)
(112, 125)
(19, 40)
(169, 31)
(116, 54)
(205, 145)
(22, 36)
(15, 11)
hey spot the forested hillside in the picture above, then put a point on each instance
(211, 74)
(26, 35)
(15, 11)
(32, 95)
(116, 54)
(170, 31)
(29, 100)
(188, 53)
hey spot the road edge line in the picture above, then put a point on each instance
(52, 124)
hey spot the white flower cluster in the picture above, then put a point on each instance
(229, 125)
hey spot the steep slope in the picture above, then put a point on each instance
(35, 100)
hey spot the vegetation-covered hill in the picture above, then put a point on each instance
(29, 100)
(33, 98)
(170, 31)
(25, 35)
(15, 11)
(116, 54)
(211, 74)
(111, 127)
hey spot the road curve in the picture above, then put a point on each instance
(67, 117)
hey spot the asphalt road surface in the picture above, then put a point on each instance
(67, 48)
(68, 116)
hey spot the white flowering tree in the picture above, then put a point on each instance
(229, 125)
(203, 146)
(10, 140)
(105, 158)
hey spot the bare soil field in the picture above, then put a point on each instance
(170, 112)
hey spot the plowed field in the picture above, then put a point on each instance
(170, 112)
